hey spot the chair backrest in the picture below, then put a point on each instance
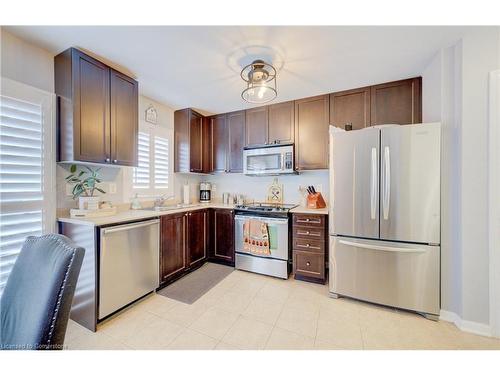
(36, 301)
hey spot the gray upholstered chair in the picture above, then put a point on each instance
(36, 301)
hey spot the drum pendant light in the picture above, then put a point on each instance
(261, 82)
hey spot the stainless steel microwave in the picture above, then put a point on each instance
(268, 160)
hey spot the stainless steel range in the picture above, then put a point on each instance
(274, 258)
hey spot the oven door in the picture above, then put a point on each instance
(268, 160)
(278, 236)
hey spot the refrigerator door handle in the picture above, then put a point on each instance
(373, 185)
(382, 248)
(387, 182)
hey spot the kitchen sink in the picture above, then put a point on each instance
(174, 207)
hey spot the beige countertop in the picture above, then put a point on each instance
(305, 210)
(132, 215)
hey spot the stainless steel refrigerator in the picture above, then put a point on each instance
(385, 216)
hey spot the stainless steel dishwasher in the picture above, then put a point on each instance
(129, 264)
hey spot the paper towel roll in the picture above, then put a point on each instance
(186, 190)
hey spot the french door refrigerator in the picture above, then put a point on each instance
(385, 216)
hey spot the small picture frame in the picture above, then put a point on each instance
(151, 115)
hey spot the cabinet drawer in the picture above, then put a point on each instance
(309, 233)
(309, 220)
(315, 246)
(309, 264)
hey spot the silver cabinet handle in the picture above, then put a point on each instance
(373, 185)
(387, 182)
(129, 226)
(307, 246)
(309, 234)
(382, 248)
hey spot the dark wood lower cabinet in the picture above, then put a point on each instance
(172, 246)
(222, 236)
(310, 247)
(197, 236)
(184, 243)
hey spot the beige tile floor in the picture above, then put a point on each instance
(249, 311)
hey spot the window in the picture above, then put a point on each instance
(26, 169)
(153, 175)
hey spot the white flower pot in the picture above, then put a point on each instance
(88, 203)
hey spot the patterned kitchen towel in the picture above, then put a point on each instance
(256, 237)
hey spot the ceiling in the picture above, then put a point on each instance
(199, 66)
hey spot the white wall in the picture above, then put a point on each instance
(122, 176)
(26, 63)
(255, 188)
(457, 79)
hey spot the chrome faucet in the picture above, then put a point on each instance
(160, 200)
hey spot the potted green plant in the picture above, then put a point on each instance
(85, 185)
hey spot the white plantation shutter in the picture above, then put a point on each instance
(161, 171)
(141, 178)
(26, 165)
(153, 175)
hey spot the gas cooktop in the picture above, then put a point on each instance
(271, 208)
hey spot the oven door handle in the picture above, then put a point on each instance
(264, 219)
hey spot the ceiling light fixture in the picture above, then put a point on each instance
(261, 82)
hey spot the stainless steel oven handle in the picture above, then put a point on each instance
(265, 219)
(122, 228)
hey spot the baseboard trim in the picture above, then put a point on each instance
(466, 325)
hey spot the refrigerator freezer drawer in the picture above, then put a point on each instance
(388, 273)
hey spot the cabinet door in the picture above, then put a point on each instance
(256, 126)
(311, 133)
(222, 224)
(281, 120)
(124, 119)
(350, 107)
(91, 109)
(196, 142)
(207, 159)
(219, 143)
(397, 102)
(197, 236)
(236, 135)
(172, 245)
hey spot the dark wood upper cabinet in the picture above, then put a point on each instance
(281, 122)
(350, 107)
(195, 142)
(97, 117)
(197, 236)
(311, 132)
(256, 126)
(236, 136)
(172, 245)
(398, 102)
(124, 115)
(222, 236)
(192, 142)
(220, 143)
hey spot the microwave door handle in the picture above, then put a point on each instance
(282, 156)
